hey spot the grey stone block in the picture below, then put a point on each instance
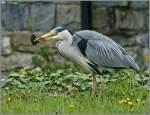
(140, 40)
(109, 3)
(147, 20)
(14, 16)
(137, 53)
(102, 19)
(68, 16)
(67, 2)
(129, 19)
(120, 39)
(42, 16)
(6, 46)
(139, 4)
(21, 41)
(15, 61)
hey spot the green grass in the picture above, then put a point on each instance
(79, 104)
(82, 102)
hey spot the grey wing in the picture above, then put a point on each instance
(104, 52)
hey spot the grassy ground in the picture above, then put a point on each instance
(117, 97)
(79, 104)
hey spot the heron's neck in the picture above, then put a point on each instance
(68, 40)
(65, 42)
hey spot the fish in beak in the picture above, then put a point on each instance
(40, 39)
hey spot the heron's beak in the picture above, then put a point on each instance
(40, 39)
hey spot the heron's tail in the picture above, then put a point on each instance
(132, 63)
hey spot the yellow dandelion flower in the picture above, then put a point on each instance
(124, 101)
(71, 106)
(121, 101)
(143, 102)
(129, 74)
(132, 109)
(147, 58)
(130, 103)
(128, 99)
(23, 71)
(9, 99)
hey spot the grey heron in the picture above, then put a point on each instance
(92, 50)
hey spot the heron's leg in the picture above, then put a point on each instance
(101, 85)
(94, 84)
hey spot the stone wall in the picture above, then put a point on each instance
(127, 22)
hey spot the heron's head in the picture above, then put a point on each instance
(58, 33)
